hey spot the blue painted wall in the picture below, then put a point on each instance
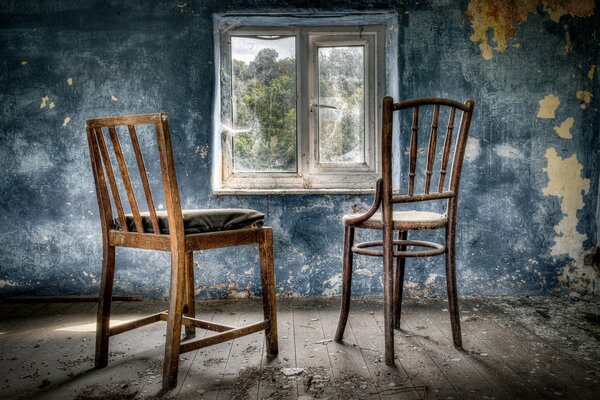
(528, 195)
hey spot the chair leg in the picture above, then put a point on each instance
(452, 292)
(346, 282)
(104, 305)
(190, 290)
(173, 340)
(388, 288)
(399, 281)
(267, 275)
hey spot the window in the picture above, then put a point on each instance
(299, 107)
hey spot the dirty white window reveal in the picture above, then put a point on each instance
(299, 108)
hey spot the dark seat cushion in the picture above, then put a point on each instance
(202, 221)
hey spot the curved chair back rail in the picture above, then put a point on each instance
(431, 174)
(180, 232)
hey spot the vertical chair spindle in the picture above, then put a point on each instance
(413, 151)
(431, 147)
(144, 178)
(111, 178)
(137, 218)
(447, 146)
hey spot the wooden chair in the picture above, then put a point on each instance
(382, 216)
(180, 232)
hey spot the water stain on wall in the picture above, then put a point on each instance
(502, 17)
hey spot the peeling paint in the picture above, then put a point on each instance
(565, 181)
(473, 149)
(113, 98)
(591, 72)
(502, 17)
(585, 97)
(568, 44)
(24, 62)
(70, 81)
(564, 130)
(548, 106)
(66, 121)
(335, 285)
(202, 151)
(508, 151)
(7, 283)
(364, 271)
(44, 101)
(51, 105)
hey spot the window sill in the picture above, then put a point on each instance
(283, 192)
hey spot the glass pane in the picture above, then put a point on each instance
(264, 104)
(341, 104)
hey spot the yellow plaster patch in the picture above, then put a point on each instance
(113, 98)
(565, 181)
(548, 106)
(66, 121)
(70, 81)
(591, 72)
(564, 130)
(24, 62)
(44, 101)
(585, 97)
(502, 17)
(51, 105)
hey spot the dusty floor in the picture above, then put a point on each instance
(514, 347)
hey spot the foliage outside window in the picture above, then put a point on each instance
(299, 107)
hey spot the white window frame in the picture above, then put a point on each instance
(311, 176)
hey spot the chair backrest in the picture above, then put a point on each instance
(449, 146)
(100, 131)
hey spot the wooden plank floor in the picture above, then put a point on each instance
(514, 348)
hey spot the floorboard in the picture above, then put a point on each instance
(513, 348)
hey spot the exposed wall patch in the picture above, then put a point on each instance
(591, 72)
(44, 101)
(585, 97)
(473, 149)
(565, 181)
(564, 130)
(502, 18)
(508, 151)
(70, 81)
(113, 98)
(548, 106)
(66, 121)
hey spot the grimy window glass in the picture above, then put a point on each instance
(264, 104)
(341, 107)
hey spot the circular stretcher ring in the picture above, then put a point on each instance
(364, 248)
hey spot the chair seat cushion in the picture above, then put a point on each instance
(403, 220)
(202, 221)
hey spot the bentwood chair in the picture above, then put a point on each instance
(180, 232)
(382, 216)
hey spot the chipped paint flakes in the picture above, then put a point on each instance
(564, 130)
(70, 81)
(591, 72)
(24, 62)
(565, 181)
(44, 101)
(548, 106)
(51, 105)
(66, 121)
(305, 268)
(502, 17)
(508, 151)
(585, 97)
(113, 98)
